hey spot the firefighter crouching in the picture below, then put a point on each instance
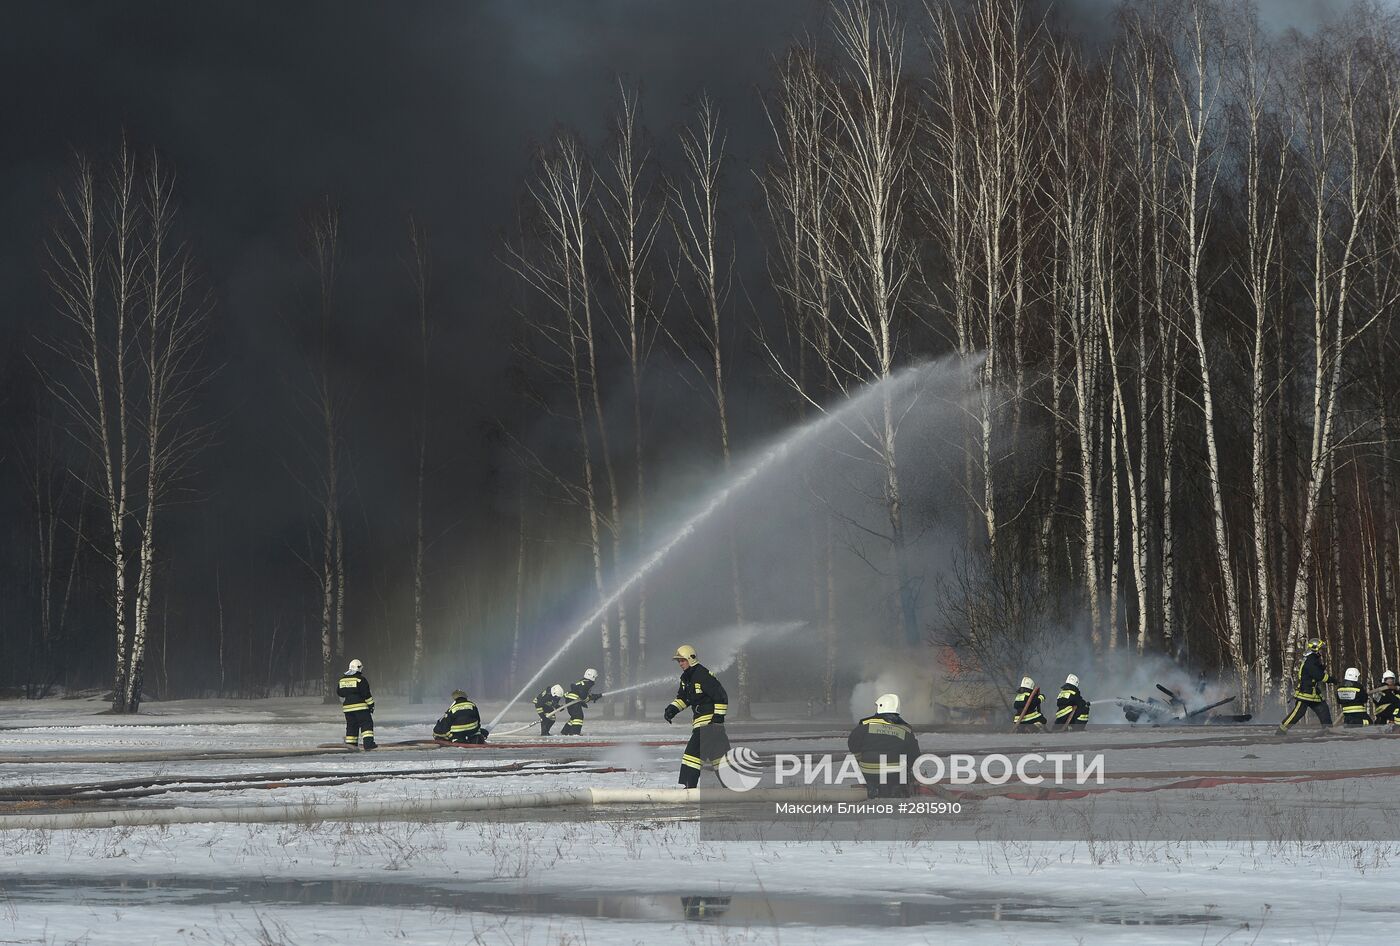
(885, 747)
(1071, 709)
(581, 693)
(1027, 715)
(546, 703)
(357, 703)
(461, 722)
(1312, 676)
(708, 703)
(1387, 700)
(1351, 699)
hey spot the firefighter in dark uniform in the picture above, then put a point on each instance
(885, 747)
(1025, 711)
(1312, 676)
(1351, 699)
(1071, 709)
(708, 704)
(1387, 700)
(548, 700)
(461, 722)
(581, 693)
(357, 705)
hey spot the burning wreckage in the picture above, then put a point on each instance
(1155, 712)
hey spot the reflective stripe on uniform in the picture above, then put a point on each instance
(702, 721)
(692, 762)
(354, 707)
(882, 768)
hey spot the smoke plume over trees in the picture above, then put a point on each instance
(1164, 250)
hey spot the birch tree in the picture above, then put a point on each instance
(631, 219)
(555, 262)
(419, 276)
(705, 264)
(1342, 159)
(131, 333)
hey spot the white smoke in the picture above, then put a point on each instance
(909, 674)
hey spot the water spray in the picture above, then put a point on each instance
(775, 454)
(773, 630)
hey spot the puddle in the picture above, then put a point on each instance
(949, 908)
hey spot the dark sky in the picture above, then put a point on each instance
(262, 109)
(388, 108)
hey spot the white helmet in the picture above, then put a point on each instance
(1388, 675)
(889, 703)
(556, 690)
(355, 667)
(1072, 680)
(1352, 675)
(590, 674)
(1027, 683)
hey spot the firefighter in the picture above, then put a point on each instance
(548, 700)
(885, 747)
(1351, 699)
(581, 693)
(1312, 676)
(708, 704)
(1026, 712)
(357, 705)
(1071, 709)
(1387, 699)
(461, 722)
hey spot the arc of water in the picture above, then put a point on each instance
(772, 456)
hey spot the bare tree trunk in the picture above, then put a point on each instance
(632, 221)
(1343, 170)
(695, 217)
(135, 341)
(1265, 188)
(419, 273)
(519, 590)
(322, 235)
(1196, 90)
(339, 583)
(870, 181)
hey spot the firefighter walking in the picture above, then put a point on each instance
(357, 703)
(885, 747)
(708, 703)
(1312, 676)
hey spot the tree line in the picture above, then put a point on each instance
(1171, 254)
(1167, 258)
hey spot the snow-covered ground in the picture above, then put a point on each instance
(635, 874)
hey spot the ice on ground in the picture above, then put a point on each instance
(638, 875)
